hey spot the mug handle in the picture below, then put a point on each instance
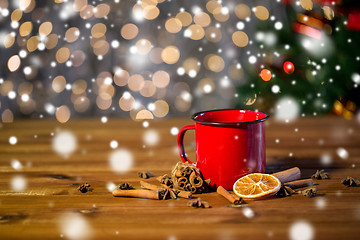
(180, 142)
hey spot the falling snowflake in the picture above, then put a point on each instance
(74, 226)
(287, 109)
(121, 160)
(301, 230)
(13, 140)
(64, 143)
(342, 153)
(18, 183)
(248, 212)
(151, 137)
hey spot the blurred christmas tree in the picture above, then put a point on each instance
(310, 62)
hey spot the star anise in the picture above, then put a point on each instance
(198, 203)
(168, 193)
(167, 181)
(145, 175)
(125, 186)
(351, 182)
(320, 174)
(309, 192)
(239, 201)
(284, 192)
(85, 188)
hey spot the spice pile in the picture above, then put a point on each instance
(186, 180)
(187, 177)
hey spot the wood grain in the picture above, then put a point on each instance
(51, 195)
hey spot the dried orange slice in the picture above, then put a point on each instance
(256, 185)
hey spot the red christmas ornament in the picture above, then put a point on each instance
(289, 67)
(354, 21)
(265, 75)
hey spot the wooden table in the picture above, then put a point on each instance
(50, 207)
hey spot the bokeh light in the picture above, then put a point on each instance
(7, 116)
(98, 30)
(185, 18)
(261, 12)
(62, 55)
(306, 4)
(144, 114)
(121, 77)
(124, 56)
(265, 75)
(129, 31)
(206, 85)
(63, 114)
(72, 34)
(160, 79)
(14, 63)
(240, 38)
(58, 83)
(242, 11)
(173, 25)
(194, 32)
(45, 28)
(149, 89)
(161, 108)
(214, 63)
(213, 34)
(126, 102)
(25, 29)
(203, 19)
(170, 54)
(328, 12)
(143, 46)
(136, 82)
(288, 67)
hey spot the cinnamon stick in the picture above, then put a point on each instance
(190, 188)
(150, 186)
(223, 192)
(182, 182)
(195, 180)
(184, 194)
(137, 193)
(187, 171)
(300, 183)
(179, 193)
(178, 173)
(288, 175)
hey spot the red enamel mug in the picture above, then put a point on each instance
(229, 144)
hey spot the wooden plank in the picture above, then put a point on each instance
(51, 195)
